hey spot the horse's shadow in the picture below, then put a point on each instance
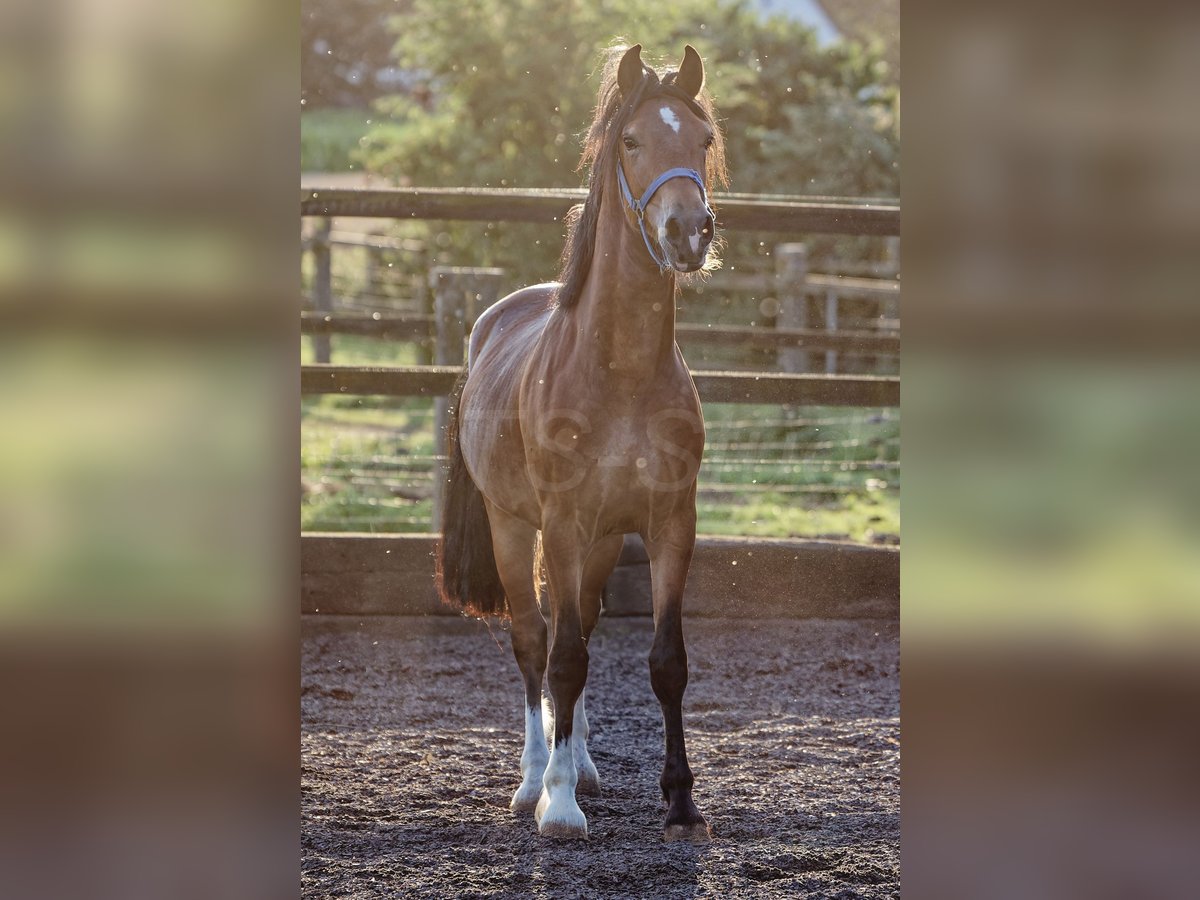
(606, 866)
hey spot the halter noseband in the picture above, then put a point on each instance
(639, 206)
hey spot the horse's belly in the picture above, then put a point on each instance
(490, 437)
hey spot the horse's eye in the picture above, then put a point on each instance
(630, 143)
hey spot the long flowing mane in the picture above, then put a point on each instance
(600, 144)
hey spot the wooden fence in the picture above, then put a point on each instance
(392, 574)
(781, 215)
(791, 289)
(375, 574)
(714, 387)
(792, 283)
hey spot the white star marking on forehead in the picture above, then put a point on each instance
(668, 116)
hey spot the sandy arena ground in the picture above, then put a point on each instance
(412, 731)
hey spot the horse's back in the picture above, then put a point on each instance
(489, 426)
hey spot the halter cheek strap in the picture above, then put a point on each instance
(639, 206)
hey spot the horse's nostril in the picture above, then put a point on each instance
(709, 226)
(673, 229)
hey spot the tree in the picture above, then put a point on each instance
(343, 48)
(510, 97)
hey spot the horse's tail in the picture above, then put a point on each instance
(466, 573)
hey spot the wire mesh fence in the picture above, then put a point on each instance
(368, 465)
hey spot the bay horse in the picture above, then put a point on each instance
(578, 422)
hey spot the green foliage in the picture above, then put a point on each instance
(508, 98)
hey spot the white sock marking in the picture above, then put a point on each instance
(668, 116)
(535, 752)
(583, 760)
(557, 812)
(533, 761)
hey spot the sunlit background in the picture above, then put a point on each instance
(145, 418)
(1051, 580)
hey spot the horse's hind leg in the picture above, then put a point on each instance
(600, 563)
(669, 560)
(513, 542)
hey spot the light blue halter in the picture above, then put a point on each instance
(639, 206)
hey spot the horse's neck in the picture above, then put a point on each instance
(626, 312)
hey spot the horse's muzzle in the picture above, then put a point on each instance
(688, 237)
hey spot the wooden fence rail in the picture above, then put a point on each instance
(789, 215)
(360, 574)
(416, 327)
(714, 387)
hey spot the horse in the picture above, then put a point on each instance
(577, 422)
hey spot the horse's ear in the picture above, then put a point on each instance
(691, 72)
(630, 73)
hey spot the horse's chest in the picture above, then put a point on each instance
(637, 458)
(619, 458)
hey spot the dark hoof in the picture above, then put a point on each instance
(695, 832)
(684, 823)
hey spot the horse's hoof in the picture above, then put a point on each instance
(695, 832)
(588, 783)
(561, 818)
(563, 831)
(526, 797)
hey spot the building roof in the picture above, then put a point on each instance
(864, 21)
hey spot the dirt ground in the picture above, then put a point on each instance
(412, 731)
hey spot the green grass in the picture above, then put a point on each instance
(366, 464)
(865, 518)
(352, 350)
(329, 139)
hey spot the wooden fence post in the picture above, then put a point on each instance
(322, 284)
(371, 289)
(791, 270)
(831, 325)
(460, 294)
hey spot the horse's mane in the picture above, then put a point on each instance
(612, 114)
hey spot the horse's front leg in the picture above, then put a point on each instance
(558, 814)
(670, 557)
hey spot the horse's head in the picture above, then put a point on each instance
(662, 160)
